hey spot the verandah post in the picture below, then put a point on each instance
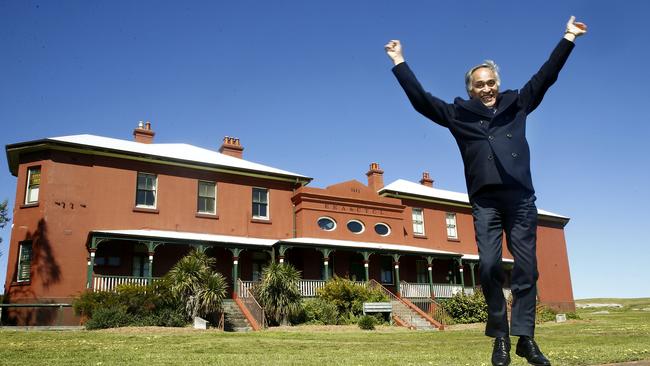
(91, 263)
(430, 270)
(396, 265)
(235, 269)
(471, 267)
(366, 264)
(462, 275)
(326, 254)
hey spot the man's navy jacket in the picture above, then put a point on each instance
(493, 145)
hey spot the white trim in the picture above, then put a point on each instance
(455, 224)
(413, 221)
(29, 178)
(366, 245)
(155, 191)
(268, 204)
(328, 218)
(382, 224)
(363, 226)
(200, 237)
(198, 187)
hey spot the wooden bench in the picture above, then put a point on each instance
(377, 307)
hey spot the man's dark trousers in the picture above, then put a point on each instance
(511, 210)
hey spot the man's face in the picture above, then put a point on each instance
(484, 86)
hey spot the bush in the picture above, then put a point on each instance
(367, 322)
(278, 292)
(466, 309)
(319, 311)
(544, 314)
(348, 297)
(110, 317)
(131, 305)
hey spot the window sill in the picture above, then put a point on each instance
(456, 240)
(207, 216)
(21, 283)
(261, 221)
(29, 205)
(146, 210)
(417, 236)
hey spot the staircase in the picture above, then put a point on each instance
(234, 320)
(405, 313)
(410, 317)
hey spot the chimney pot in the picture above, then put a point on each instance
(143, 133)
(232, 146)
(426, 180)
(375, 177)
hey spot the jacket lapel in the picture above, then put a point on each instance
(475, 105)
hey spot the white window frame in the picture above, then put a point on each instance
(451, 221)
(363, 227)
(19, 268)
(268, 204)
(198, 197)
(32, 190)
(328, 218)
(416, 221)
(155, 190)
(382, 224)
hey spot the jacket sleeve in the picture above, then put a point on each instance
(431, 107)
(533, 92)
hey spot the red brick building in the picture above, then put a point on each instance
(93, 212)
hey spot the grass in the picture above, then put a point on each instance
(621, 335)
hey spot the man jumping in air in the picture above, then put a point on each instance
(490, 130)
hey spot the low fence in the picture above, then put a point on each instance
(108, 283)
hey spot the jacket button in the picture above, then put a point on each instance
(509, 135)
(490, 157)
(481, 122)
(514, 155)
(491, 137)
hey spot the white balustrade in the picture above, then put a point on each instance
(108, 283)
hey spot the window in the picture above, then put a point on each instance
(207, 200)
(24, 262)
(33, 184)
(355, 226)
(382, 229)
(146, 190)
(418, 221)
(260, 203)
(326, 223)
(386, 274)
(452, 233)
(140, 266)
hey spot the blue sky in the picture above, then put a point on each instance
(307, 87)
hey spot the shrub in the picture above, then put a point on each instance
(367, 322)
(467, 308)
(110, 317)
(193, 281)
(278, 292)
(319, 311)
(544, 314)
(348, 296)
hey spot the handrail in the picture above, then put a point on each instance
(403, 322)
(250, 307)
(409, 305)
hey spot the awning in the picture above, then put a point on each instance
(474, 257)
(179, 236)
(367, 245)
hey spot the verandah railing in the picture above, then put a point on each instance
(423, 290)
(108, 283)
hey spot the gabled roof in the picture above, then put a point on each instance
(415, 190)
(188, 154)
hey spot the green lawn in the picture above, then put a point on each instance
(621, 335)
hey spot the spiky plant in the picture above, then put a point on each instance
(279, 293)
(201, 289)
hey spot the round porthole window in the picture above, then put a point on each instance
(355, 226)
(326, 223)
(382, 229)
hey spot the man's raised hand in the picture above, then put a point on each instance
(394, 51)
(574, 29)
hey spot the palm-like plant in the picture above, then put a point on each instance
(195, 282)
(278, 292)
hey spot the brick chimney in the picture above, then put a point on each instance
(231, 146)
(143, 133)
(426, 180)
(375, 177)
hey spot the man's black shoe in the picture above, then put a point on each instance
(527, 348)
(501, 351)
